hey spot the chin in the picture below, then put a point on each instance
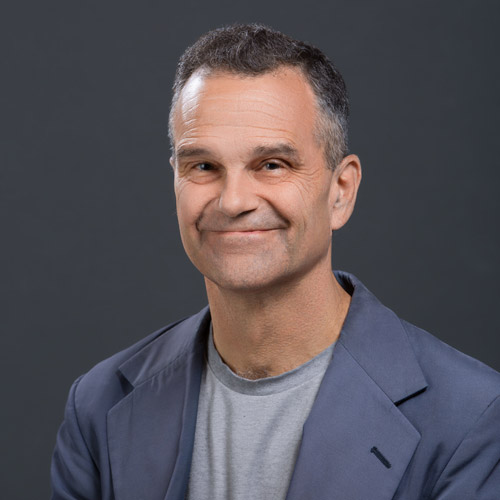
(252, 280)
(241, 282)
(245, 281)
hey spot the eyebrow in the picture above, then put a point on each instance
(189, 152)
(280, 149)
(283, 149)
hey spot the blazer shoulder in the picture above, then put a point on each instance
(452, 373)
(82, 442)
(98, 390)
(457, 418)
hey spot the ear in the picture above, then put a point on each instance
(172, 162)
(344, 188)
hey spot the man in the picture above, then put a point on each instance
(295, 382)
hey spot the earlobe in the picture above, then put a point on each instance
(345, 186)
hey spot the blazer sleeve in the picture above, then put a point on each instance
(74, 474)
(473, 471)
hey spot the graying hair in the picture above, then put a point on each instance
(254, 49)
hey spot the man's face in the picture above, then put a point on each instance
(254, 196)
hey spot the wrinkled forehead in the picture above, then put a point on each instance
(277, 104)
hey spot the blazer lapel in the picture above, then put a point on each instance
(151, 431)
(356, 443)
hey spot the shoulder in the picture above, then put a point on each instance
(97, 391)
(451, 372)
(460, 403)
(82, 441)
(103, 385)
(458, 417)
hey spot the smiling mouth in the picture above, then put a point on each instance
(245, 231)
(242, 234)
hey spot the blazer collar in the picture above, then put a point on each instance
(169, 347)
(376, 338)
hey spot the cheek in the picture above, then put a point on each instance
(307, 205)
(188, 203)
(186, 218)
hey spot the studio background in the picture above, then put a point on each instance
(92, 260)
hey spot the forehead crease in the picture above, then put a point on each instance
(201, 121)
(227, 132)
(225, 110)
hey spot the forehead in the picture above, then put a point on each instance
(221, 108)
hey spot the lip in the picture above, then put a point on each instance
(246, 232)
(245, 235)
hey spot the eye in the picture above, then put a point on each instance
(272, 165)
(204, 167)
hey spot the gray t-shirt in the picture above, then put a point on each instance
(248, 432)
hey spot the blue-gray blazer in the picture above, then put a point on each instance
(399, 415)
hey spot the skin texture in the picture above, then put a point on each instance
(256, 206)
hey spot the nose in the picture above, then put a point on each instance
(237, 195)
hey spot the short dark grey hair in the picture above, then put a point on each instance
(255, 49)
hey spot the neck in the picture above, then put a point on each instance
(263, 333)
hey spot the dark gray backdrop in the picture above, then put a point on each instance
(91, 256)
